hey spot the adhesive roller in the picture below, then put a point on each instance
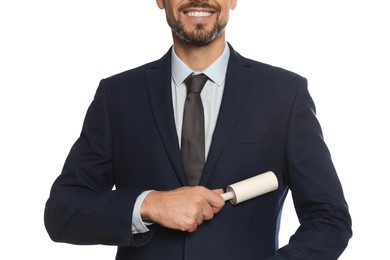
(251, 188)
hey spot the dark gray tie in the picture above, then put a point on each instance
(192, 135)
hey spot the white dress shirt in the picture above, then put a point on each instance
(211, 96)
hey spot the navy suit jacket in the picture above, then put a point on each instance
(129, 144)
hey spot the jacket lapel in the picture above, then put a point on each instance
(158, 82)
(236, 85)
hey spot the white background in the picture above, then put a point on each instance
(53, 54)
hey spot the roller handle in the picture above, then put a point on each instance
(228, 195)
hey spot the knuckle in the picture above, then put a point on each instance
(209, 216)
(193, 211)
(189, 227)
(201, 190)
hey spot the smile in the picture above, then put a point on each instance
(198, 14)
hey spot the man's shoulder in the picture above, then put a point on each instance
(138, 73)
(261, 68)
(133, 73)
(270, 71)
(270, 76)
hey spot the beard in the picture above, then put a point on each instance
(199, 37)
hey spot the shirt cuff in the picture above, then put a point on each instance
(138, 225)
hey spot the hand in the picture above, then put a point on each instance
(184, 208)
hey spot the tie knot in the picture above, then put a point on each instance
(195, 83)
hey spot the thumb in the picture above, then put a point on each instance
(218, 191)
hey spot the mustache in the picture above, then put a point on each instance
(198, 5)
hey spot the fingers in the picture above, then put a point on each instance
(218, 191)
(217, 202)
(184, 209)
(207, 212)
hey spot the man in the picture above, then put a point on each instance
(135, 137)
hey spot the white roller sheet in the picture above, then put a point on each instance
(251, 188)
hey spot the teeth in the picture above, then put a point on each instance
(198, 14)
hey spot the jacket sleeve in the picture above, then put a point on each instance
(83, 208)
(325, 223)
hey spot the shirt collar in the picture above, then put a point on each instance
(216, 71)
